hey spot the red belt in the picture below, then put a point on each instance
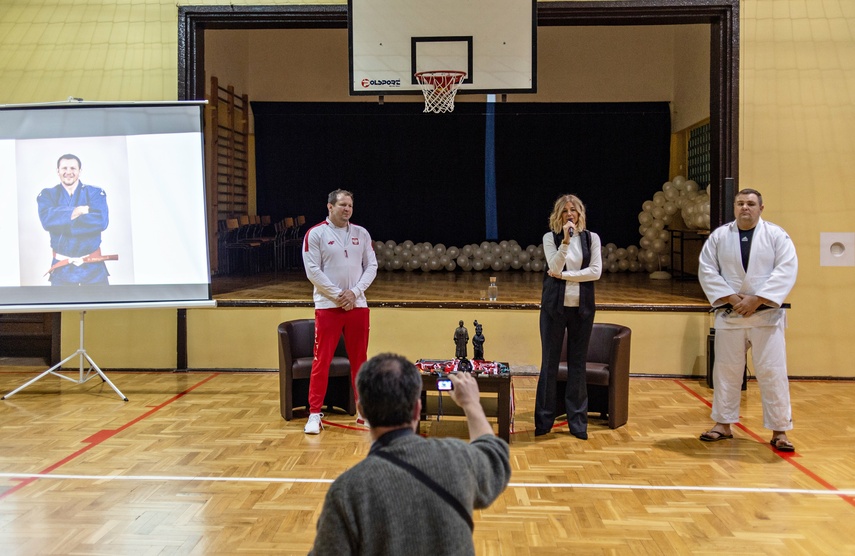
(93, 257)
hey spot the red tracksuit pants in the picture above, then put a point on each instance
(329, 325)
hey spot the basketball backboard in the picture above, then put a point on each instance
(493, 41)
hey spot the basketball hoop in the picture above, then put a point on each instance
(439, 88)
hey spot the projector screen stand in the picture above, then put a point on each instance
(83, 377)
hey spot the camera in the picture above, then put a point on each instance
(444, 384)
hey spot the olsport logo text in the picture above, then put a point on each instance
(380, 83)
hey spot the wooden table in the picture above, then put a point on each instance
(498, 384)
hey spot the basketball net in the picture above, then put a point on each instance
(439, 88)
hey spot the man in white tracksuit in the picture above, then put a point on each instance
(747, 268)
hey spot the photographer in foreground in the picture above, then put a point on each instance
(412, 495)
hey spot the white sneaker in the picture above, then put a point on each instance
(314, 425)
(361, 422)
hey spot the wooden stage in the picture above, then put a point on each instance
(517, 289)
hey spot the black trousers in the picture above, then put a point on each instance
(576, 395)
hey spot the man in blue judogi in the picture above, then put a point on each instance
(75, 214)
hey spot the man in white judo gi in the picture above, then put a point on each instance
(747, 268)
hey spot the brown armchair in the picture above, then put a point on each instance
(607, 373)
(296, 350)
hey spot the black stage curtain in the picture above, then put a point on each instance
(421, 176)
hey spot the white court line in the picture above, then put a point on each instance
(814, 492)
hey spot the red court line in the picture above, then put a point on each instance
(102, 436)
(789, 457)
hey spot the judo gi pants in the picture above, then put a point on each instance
(769, 356)
(329, 326)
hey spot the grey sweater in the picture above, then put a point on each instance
(378, 508)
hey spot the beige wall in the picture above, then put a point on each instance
(797, 143)
(691, 102)
(575, 64)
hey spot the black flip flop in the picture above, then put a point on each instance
(707, 436)
(788, 447)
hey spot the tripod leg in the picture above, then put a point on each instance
(104, 377)
(44, 374)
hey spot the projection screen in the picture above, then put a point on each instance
(103, 207)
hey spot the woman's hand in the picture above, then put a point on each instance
(569, 229)
(554, 274)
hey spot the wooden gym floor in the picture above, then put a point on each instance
(202, 463)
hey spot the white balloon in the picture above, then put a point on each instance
(477, 264)
(390, 244)
(691, 185)
(536, 265)
(644, 218)
(621, 253)
(679, 182)
(453, 252)
(632, 251)
(408, 244)
(498, 264)
(623, 265)
(647, 206)
(450, 265)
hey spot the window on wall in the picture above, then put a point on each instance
(698, 163)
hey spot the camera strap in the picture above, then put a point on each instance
(428, 482)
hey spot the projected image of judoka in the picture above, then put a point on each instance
(75, 214)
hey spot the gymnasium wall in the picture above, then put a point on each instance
(796, 135)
